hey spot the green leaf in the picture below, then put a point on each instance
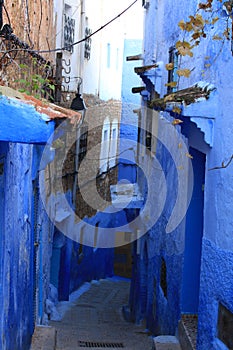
(23, 66)
(52, 87)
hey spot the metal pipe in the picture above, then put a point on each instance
(40, 281)
(83, 20)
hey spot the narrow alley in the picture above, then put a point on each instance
(94, 320)
(116, 174)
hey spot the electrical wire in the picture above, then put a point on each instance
(90, 35)
(83, 39)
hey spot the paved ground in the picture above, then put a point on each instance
(95, 321)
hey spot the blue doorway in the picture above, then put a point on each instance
(193, 237)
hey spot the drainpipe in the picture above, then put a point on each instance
(1, 19)
(38, 256)
(100, 48)
(81, 70)
(40, 286)
(76, 167)
(83, 23)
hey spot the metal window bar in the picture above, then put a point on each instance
(172, 74)
(69, 32)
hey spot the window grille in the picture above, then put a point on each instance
(146, 3)
(87, 47)
(172, 74)
(69, 30)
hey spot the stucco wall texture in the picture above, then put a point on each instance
(25, 247)
(32, 21)
(17, 248)
(217, 243)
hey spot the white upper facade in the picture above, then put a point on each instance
(97, 61)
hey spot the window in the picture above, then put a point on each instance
(155, 118)
(113, 143)
(163, 277)
(104, 151)
(87, 47)
(117, 59)
(69, 28)
(172, 74)
(146, 3)
(108, 55)
(141, 135)
(109, 142)
(148, 134)
(105, 135)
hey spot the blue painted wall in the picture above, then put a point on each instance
(25, 246)
(16, 243)
(216, 287)
(208, 127)
(73, 263)
(129, 119)
(148, 299)
(25, 228)
(16, 126)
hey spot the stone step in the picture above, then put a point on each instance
(166, 342)
(187, 332)
(44, 338)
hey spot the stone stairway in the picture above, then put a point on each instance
(44, 338)
(187, 332)
(166, 342)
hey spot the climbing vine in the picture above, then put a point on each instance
(199, 27)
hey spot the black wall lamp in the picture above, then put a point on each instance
(77, 103)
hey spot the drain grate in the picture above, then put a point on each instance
(90, 344)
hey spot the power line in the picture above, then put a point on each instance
(95, 32)
(81, 40)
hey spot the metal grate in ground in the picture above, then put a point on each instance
(89, 344)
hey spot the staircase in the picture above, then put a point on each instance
(187, 332)
(166, 342)
(44, 338)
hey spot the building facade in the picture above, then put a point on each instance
(183, 273)
(26, 230)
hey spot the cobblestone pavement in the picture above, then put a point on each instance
(95, 321)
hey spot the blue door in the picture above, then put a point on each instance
(193, 237)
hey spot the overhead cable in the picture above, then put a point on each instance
(81, 40)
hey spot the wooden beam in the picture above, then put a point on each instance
(134, 58)
(187, 96)
(136, 90)
(143, 69)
